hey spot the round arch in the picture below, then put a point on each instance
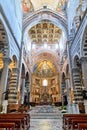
(67, 70)
(76, 61)
(44, 14)
(63, 77)
(27, 76)
(23, 70)
(46, 56)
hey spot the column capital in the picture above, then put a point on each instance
(76, 69)
(6, 61)
(16, 70)
(83, 59)
(23, 76)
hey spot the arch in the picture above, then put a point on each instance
(14, 58)
(27, 76)
(23, 70)
(46, 55)
(44, 14)
(67, 70)
(76, 61)
(63, 77)
(84, 43)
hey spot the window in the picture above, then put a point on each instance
(45, 82)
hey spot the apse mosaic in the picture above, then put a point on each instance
(44, 69)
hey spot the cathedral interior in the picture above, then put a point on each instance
(43, 54)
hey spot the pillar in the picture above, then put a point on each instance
(84, 70)
(77, 85)
(23, 89)
(4, 78)
(68, 87)
(78, 98)
(63, 85)
(12, 96)
(84, 77)
(27, 88)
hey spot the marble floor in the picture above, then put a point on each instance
(45, 118)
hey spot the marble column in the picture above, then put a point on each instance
(23, 89)
(84, 70)
(78, 97)
(12, 96)
(68, 87)
(77, 85)
(20, 66)
(63, 85)
(27, 88)
(30, 87)
(4, 78)
(84, 77)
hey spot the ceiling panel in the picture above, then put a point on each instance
(45, 32)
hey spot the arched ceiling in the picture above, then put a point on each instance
(45, 55)
(44, 31)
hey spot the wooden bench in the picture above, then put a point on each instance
(70, 121)
(66, 118)
(25, 118)
(75, 123)
(17, 122)
(82, 126)
(7, 125)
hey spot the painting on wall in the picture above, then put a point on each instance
(53, 82)
(37, 81)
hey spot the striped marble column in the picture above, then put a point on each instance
(84, 70)
(84, 78)
(12, 97)
(77, 85)
(4, 77)
(63, 85)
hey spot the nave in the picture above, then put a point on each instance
(43, 62)
(45, 118)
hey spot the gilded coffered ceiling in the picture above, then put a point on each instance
(45, 32)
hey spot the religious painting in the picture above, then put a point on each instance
(37, 81)
(53, 82)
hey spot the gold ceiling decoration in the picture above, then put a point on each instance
(45, 32)
(45, 69)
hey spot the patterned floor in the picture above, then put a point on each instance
(48, 118)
